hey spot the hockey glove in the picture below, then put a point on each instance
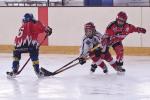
(141, 30)
(48, 30)
(97, 52)
(82, 61)
(105, 40)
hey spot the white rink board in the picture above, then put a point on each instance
(146, 23)
(11, 21)
(76, 83)
(67, 23)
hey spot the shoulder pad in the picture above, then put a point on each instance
(111, 24)
(129, 24)
(98, 33)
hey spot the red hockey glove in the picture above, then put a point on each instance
(141, 30)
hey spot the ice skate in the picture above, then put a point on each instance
(105, 70)
(40, 74)
(93, 68)
(11, 74)
(120, 70)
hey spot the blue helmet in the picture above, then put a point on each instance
(28, 17)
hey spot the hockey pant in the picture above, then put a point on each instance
(33, 53)
(107, 57)
(118, 48)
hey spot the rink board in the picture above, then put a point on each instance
(140, 51)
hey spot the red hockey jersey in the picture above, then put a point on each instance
(117, 33)
(28, 33)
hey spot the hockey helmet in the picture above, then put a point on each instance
(121, 18)
(89, 29)
(28, 17)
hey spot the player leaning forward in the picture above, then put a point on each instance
(116, 33)
(91, 39)
(26, 42)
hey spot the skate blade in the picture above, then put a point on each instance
(91, 73)
(120, 73)
(11, 76)
(106, 73)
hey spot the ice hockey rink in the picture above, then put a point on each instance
(76, 83)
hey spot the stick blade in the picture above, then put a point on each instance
(46, 72)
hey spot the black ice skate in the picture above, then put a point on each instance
(105, 70)
(40, 74)
(93, 68)
(11, 74)
(120, 70)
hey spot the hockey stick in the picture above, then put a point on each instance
(57, 72)
(30, 58)
(48, 73)
(76, 59)
(65, 67)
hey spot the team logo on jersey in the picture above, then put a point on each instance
(94, 39)
(88, 42)
(127, 29)
(20, 32)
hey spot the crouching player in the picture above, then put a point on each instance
(26, 42)
(91, 39)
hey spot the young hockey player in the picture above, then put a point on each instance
(91, 39)
(117, 31)
(26, 42)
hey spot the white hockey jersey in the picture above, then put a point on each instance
(89, 43)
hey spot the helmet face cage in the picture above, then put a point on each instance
(89, 29)
(121, 18)
(89, 32)
(120, 22)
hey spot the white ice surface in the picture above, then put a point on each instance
(76, 83)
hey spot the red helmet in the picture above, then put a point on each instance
(122, 16)
(89, 25)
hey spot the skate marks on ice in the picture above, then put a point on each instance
(107, 87)
(76, 87)
(77, 83)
